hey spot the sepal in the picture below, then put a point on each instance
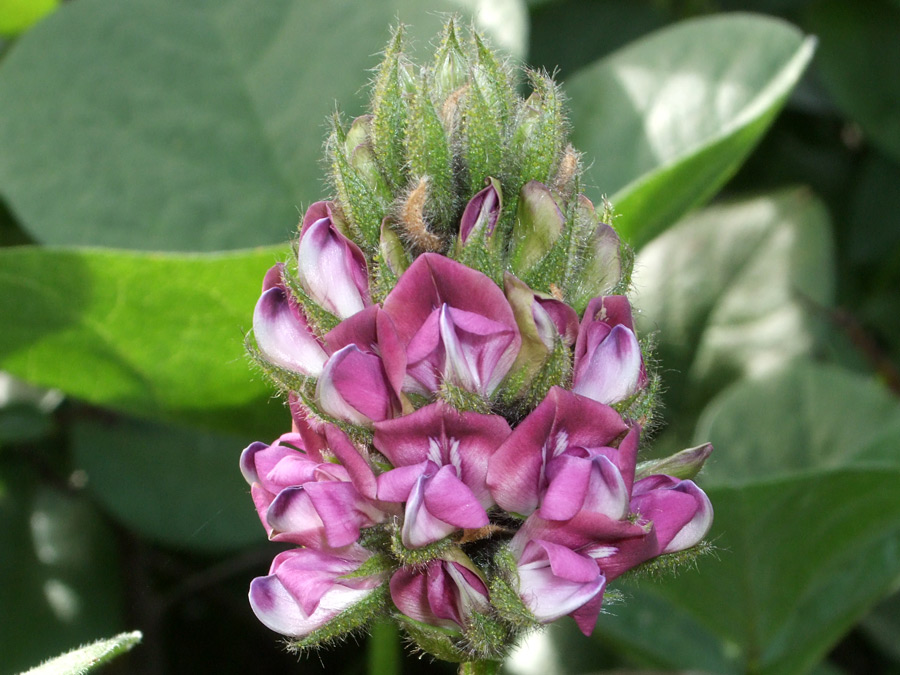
(684, 464)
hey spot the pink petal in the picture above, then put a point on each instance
(450, 500)
(568, 485)
(361, 474)
(332, 269)
(611, 372)
(283, 336)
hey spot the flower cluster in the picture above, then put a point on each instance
(465, 380)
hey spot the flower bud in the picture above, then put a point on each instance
(685, 464)
(609, 366)
(539, 223)
(333, 270)
(305, 589)
(482, 213)
(282, 333)
(445, 593)
(680, 511)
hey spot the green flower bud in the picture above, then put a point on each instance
(539, 224)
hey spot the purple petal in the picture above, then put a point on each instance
(293, 518)
(421, 527)
(445, 436)
(612, 371)
(450, 500)
(333, 270)
(357, 467)
(433, 280)
(607, 494)
(343, 511)
(283, 336)
(569, 478)
(410, 593)
(353, 387)
(681, 513)
(481, 213)
(564, 318)
(395, 485)
(549, 595)
(561, 420)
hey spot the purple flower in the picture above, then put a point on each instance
(305, 589)
(282, 334)
(362, 379)
(456, 326)
(303, 500)
(332, 269)
(608, 364)
(445, 593)
(566, 457)
(441, 457)
(555, 581)
(680, 511)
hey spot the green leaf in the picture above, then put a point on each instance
(667, 120)
(85, 659)
(19, 15)
(156, 335)
(59, 571)
(179, 487)
(730, 290)
(158, 124)
(859, 59)
(807, 525)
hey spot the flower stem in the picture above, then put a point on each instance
(479, 668)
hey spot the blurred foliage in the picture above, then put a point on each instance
(198, 127)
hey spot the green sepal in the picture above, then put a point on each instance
(463, 399)
(428, 154)
(533, 351)
(451, 64)
(441, 643)
(412, 557)
(504, 596)
(540, 132)
(389, 111)
(494, 80)
(352, 620)
(389, 263)
(320, 319)
(483, 141)
(601, 272)
(379, 563)
(363, 206)
(670, 564)
(684, 464)
(487, 638)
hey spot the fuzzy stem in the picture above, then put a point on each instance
(479, 668)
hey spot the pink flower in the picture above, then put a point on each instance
(441, 457)
(282, 334)
(303, 500)
(566, 457)
(456, 325)
(305, 589)
(445, 593)
(608, 364)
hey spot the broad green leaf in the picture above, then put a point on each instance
(168, 125)
(157, 335)
(731, 289)
(85, 659)
(59, 570)
(178, 487)
(667, 120)
(19, 15)
(859, 61)
(807, 525)
(882, 626)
